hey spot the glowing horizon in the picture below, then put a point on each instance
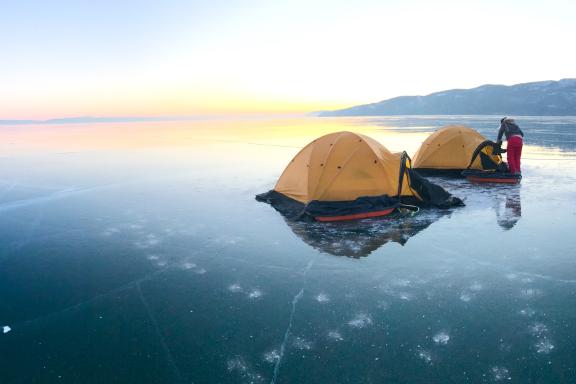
(134, 58)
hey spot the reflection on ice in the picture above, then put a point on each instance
(361, 238)
(508, 207)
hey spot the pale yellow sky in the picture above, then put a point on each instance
(172, 58)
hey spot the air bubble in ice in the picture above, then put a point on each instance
(426, 356)
(335, 335)
(544, 346)
(272, 356)
(235, 288)
(301, 343)
(322, 298)
(500, 373)
(441, 337)
(360, 320)
(255, 294)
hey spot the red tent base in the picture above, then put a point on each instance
(356, 216)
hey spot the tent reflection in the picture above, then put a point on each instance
(508, 207)
(360, 238)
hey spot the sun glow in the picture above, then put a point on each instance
(172, 58)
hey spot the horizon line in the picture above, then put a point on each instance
(134, 119)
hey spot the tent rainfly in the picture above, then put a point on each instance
(451, 149)
(345, 175)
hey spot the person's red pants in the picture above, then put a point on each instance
(513, 153)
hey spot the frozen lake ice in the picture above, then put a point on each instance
(135, 252)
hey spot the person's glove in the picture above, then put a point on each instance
(498, 149)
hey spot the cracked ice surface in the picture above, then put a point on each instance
(164, 262)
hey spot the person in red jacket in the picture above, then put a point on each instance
(514, 137)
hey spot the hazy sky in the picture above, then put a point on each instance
(138, 57)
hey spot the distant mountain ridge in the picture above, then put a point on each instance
(92, 119)
(542, 98)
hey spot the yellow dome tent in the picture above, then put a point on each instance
(346, 175)
(342, 166)
(450, 150)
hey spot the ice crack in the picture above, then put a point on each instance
(295, 301)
